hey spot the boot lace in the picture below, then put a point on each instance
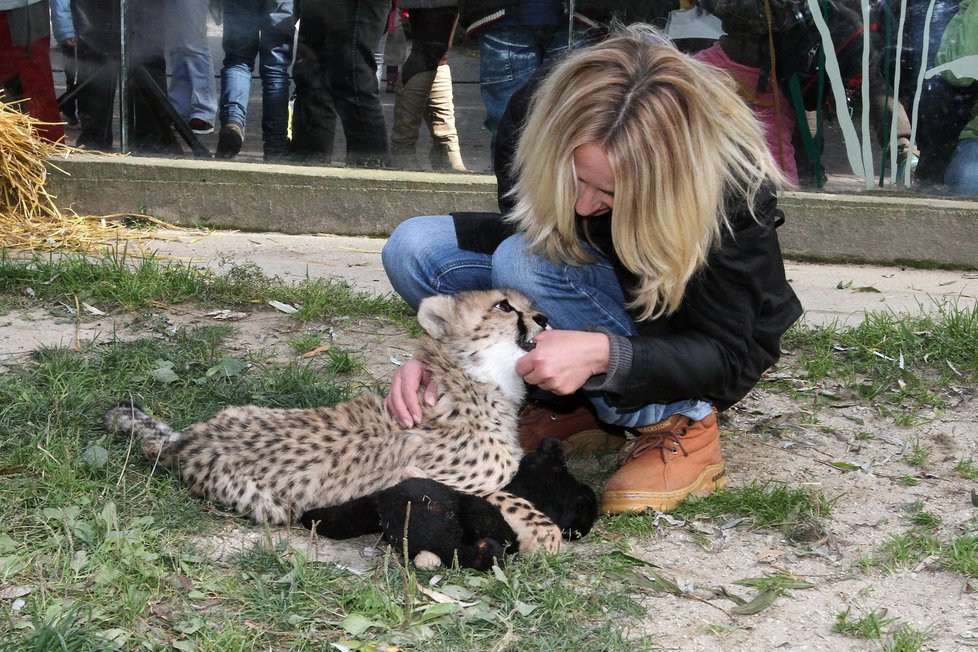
(671, 441)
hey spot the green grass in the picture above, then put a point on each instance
(797, 513)
(109, 546)
(967, 469)
(110, 549)
(904, 364)
(905, 639)
(118, 280)
(871, 626)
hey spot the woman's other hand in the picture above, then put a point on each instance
(403, 402)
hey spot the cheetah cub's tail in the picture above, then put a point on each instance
(155, 437)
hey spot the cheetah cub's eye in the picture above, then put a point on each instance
(503, 306)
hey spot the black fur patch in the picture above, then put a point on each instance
(447, 522)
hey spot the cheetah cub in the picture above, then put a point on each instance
(274, 464)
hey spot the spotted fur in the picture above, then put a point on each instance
(273, 464)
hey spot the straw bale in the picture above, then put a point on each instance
(30, 219)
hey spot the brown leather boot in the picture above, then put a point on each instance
(667, 462)
(576, 425)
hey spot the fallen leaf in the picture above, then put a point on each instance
(92, 310)
(226, 315)
(11, 592)
(768, 555)
(319, 350)
(283, 307)
(849, 466)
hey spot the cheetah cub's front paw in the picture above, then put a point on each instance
(532, 527)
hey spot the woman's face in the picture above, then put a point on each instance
(595, 182)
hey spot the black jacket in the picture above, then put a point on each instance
(727, 330)
(475, 15)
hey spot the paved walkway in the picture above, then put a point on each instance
(829, 293)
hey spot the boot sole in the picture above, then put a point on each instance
(712, 478)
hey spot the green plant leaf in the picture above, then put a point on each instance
(436, 611)
(95, 456)
(761, 601)
(227, 368)
(356, 624)
(846, 466)
(164, 375)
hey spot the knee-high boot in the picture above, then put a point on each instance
(409, 107)
(445, 151)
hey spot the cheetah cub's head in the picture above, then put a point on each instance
(486, 331)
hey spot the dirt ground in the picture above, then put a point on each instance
(767, 436)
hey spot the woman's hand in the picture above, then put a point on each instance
(563, 360)
(403, 402)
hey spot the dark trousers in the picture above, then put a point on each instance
(97, 25)
(432, 33)
(335, 75)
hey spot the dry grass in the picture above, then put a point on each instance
(30, 219)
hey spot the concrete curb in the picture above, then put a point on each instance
(870, 227)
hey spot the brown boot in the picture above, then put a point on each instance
(409, 108)
(577, 426)
(667, 462)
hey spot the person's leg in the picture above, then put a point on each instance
(422, 258)
(240, 44)
(508, 57)
(961, 175)
(198, 62)
(351, 33)
(25, 45)
(314, 111)
(274, 59)
(446, 152)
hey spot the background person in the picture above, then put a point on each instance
(335, 75)
(266, 30)
(25, 63)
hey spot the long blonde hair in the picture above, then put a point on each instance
(680, 143)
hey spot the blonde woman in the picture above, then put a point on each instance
(662, 314)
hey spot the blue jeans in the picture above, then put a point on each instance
(335, 74)
(263, 29)
(508, 57)
(422, 258)
(189, 62)
(961, 175)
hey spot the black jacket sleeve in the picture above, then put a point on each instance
(727, 330)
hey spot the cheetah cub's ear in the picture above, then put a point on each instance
(436, 315)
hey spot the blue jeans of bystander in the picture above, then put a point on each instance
(961, 175)
(263, 29)
(422, 258)
(508, 57)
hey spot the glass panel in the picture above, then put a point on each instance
(848, 109)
